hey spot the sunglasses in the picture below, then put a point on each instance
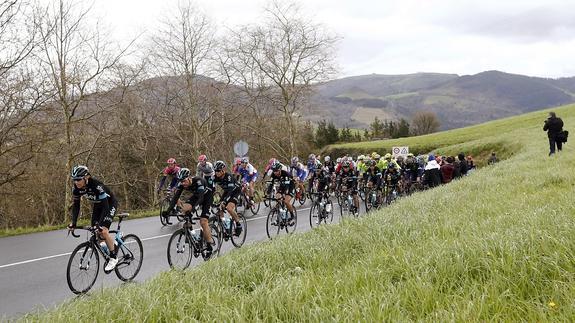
(78, 179)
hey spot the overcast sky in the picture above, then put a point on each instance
(531, 37)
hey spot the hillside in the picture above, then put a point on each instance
(494, 246)
(458, 101)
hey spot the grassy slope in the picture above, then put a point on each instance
(497, 245)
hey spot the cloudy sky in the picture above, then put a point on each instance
(531, 37)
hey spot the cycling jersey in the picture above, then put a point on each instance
(348, 179)
(373, 175)
(391, 177)
(287, 184)
(207, 172)
(323, 178)
(362, 167)
(383, 163)
(330, 165)
(231, 188)
(198, 187)
(299, 171)
(248, 173)
(104, 202)
(169, 171)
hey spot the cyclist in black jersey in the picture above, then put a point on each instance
(323, 177)
(232, 191)
(103, 209)
(373, 175)
(198, 186)
(287, 187)
(348, 177)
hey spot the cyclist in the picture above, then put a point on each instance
(329, 164)
(236, 168)
(373, 176)
(205, 169)
(311, 160)
(198, 186)
(103, 209)
(232, 191)
(171, 170)
(347, 177)
(411, 167)
(299, 173)
(287, 187)
(249, 176)
(391, 177)
(385, 161)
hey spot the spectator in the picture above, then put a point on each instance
(553, 126)
(462, 164)
(447, 170)
(432, 174)
(493, 159)
(470, 163)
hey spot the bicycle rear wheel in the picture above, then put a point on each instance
(83, 268)
(291, 228)
(130, 257)
(180, 250)
(239, 240)
(163, 206)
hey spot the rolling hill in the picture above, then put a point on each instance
(458, 101)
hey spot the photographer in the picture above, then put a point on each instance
(554, 127)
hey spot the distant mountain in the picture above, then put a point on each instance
(458, 100)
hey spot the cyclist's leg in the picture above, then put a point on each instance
(102, 216)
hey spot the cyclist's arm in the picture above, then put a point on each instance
(175, 198)
(162, 181)
(75, 209)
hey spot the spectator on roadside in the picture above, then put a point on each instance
(470, 163)
(553, 126)
(447, 170)
(432, 174)
(462, 164)
(493, 159)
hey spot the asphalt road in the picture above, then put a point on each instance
(33, 266)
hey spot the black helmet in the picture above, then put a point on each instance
(78, 172)
(219, 165)
(183, 174)
(277, 166)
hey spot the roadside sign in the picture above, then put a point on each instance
(241, 148)
(400, 151)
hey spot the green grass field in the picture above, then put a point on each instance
(495, 246)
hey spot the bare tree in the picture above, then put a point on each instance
(77, 59)
(183, 48)
(281, 59)
(424, 122)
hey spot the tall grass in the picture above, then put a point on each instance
(495, 246)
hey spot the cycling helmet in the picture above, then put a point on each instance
(78, 172)
(183, 174)
(294, 161)
(219, 165)
(338, 160)
(410, 155)
(326, 159)
(202, 158)
(276, 166)
(360, 157)
(345, 163)
(171, 161)
(373, 154)
(237, 161)
(245, 160)
(311, 156)
(376, 157)
(399, 159)
(387, 156)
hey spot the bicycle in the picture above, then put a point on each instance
(187, 243)
(86, 257)
(227, 227)
(272, 192)
(245, 201)
(300, 195)
(346, 202)
(390, 193)
(373, 198)
(164, 204)
(278, 218)
(321, 210)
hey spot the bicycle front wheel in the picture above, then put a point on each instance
(273, 223)
(255, 208)
(180, 250)
(83, 268)
(130, 257)
(238, 240)
(164, 206)
(290, 228)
